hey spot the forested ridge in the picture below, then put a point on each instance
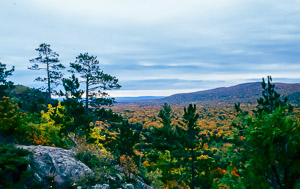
(238, 145)
(246, 93)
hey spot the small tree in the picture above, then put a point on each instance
(11, 119)
(169, 136)
(87, 66)
(71, 86)
(127, 139)
(4, 73)
(270, 99)
(48, 58)
(75, 108)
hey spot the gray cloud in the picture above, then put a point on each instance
(155, 44)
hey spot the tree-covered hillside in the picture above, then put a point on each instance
(246, 93)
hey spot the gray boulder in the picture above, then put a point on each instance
(129, 186)
(141, 185)
(56, 163)
(101, 186)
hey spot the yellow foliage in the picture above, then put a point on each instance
(55, 111)
(203, 157)
(98, 137)
(146, 164)
(46, 133)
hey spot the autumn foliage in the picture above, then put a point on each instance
(241, 146)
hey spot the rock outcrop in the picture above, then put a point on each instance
(141, 185)
(56, 164)
(57, 168)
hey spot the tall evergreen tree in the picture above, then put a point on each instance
(127, 139)
(167, 142)
(4, 84)
(49, 59)
(87, 66)
(168, 137)
(190, 118)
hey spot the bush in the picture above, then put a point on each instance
(129, 166)
(91, 155)
(13, 167)
(45, 130)
(99, 160)
(11, 118)
(155, 178)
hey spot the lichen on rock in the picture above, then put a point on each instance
(56, 164)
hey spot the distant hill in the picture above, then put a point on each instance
(19, 89)
(127, 99)
(28, 99)
(139, 98)
(246, 93)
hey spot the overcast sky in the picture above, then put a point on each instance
(158, 47)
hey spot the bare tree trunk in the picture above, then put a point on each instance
(87, 94)
(48, 76)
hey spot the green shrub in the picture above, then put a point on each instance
(155, 177)
(13, 167)
(88, 158)
(11, 118)
(91, 154)
(100, 161)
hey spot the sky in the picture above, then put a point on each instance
(158, 47)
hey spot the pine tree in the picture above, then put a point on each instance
(87, 66)
(190, 118)
(48, 58)
(71, 86)
(4, 84)
(127, 139)
(167, 146)
(270, 99)
(169, 136)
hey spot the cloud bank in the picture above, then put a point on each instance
(160, 46)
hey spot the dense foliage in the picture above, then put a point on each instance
(13, 167)
(268, 142)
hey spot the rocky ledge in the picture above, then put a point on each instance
(56, 164)
(57, 168)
